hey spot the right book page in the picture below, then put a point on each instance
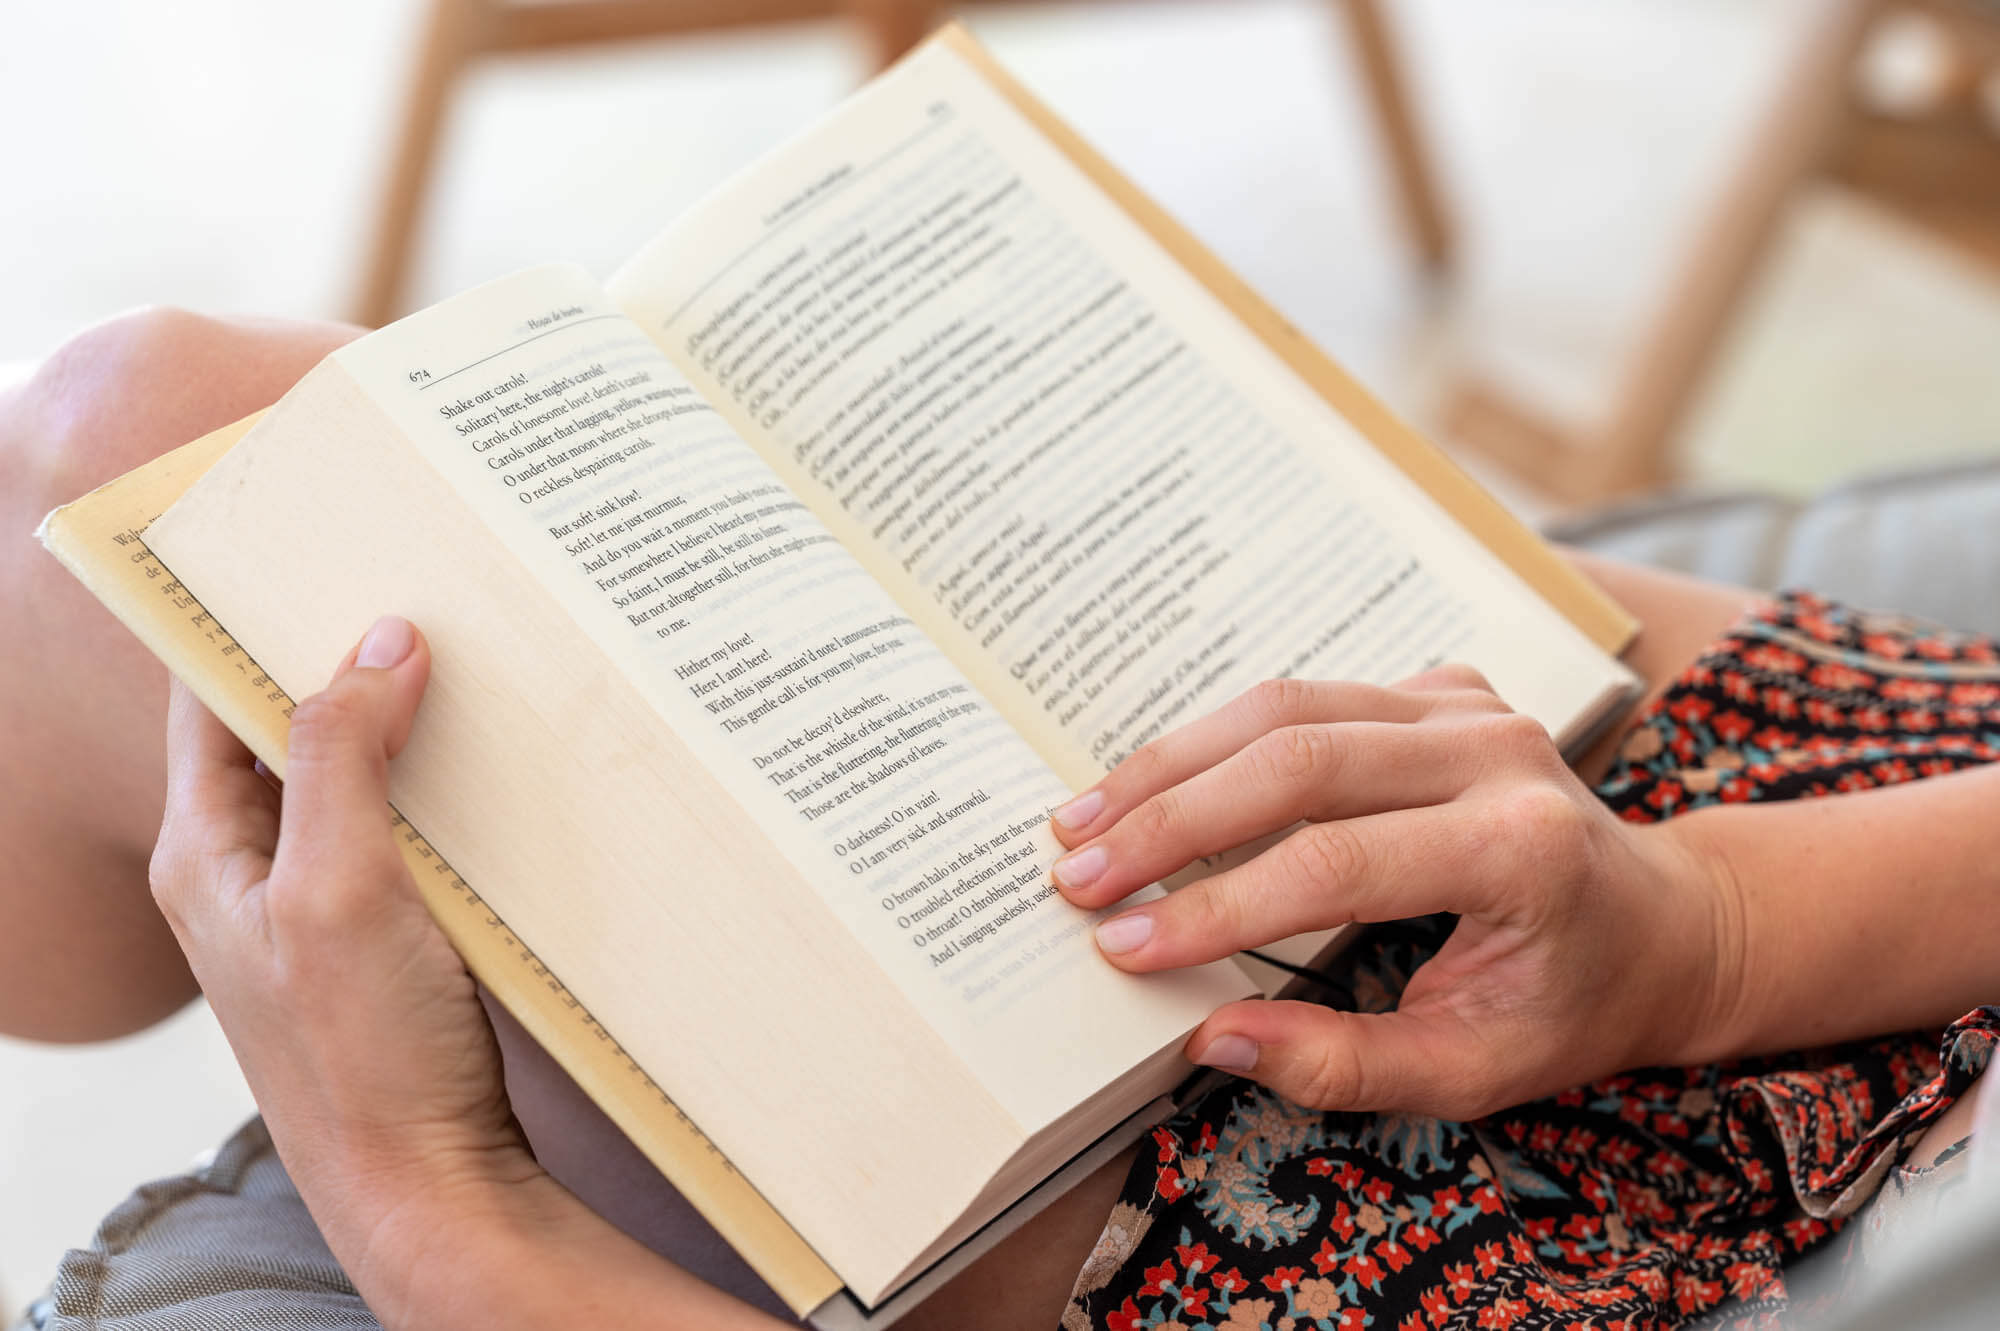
(1113, 503)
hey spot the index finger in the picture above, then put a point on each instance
(1199, 745)
(1385, 866)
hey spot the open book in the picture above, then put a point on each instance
(780, 586)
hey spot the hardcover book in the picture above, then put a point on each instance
(780, 586)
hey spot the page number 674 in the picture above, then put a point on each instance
(420, 376)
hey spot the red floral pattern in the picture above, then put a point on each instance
(1647, 1200)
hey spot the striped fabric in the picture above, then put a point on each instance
(226, 1247)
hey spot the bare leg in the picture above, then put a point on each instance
(84, 955)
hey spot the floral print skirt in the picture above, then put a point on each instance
(1656, 1198)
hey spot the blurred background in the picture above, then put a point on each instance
(1592, 247)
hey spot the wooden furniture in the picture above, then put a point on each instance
(460, 32)
(1936, 165)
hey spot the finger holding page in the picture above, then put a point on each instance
(1387, 866)
(1193, 748)
(338, 754)
(1313, 773)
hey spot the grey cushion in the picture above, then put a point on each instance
(1924, 541)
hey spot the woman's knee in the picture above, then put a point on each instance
(124, 391)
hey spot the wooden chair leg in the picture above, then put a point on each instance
(893, 26)
(452, 34)
(1417, 195)
(1631, 450)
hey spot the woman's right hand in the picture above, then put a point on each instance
(1586, 944)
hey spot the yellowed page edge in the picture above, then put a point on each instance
(136, 588)
(1600, 618)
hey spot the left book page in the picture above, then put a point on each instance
(693, 755)
(100, 539)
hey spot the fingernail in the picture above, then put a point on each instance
(1081, 869)
(387, 644)
(1078, 812)
(1229, 1053)
(1125, 933)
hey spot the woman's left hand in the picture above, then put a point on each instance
(360, 1032)
(363, 1036)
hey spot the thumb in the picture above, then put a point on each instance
(1428, 1063)
(338, 751)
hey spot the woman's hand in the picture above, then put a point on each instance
(362, 1035)
(1586, 944)
(359, 1030)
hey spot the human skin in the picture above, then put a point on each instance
(1585, 944)
(82, 956)
(387, 1161)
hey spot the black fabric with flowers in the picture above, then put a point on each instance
(1652, 1199)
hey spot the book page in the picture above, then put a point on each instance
(764, 831)
(867, 757)
(99, 538)
(1114, 505)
